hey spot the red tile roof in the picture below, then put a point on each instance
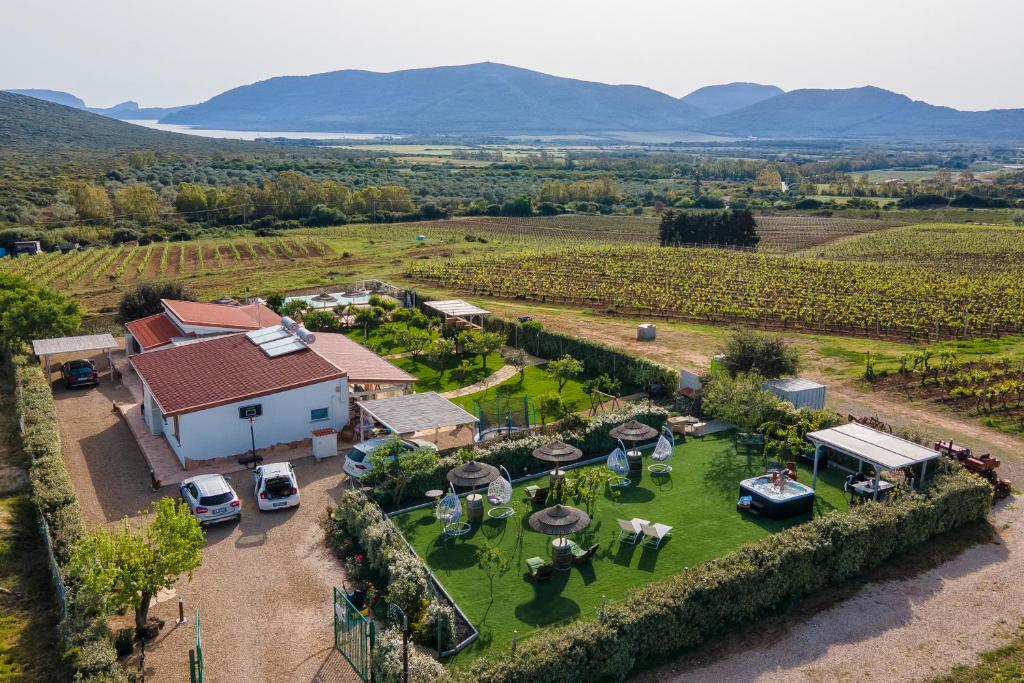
(221, 315)
(226, 369)
(360, 363)
(152, 331)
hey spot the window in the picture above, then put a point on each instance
(318, 414)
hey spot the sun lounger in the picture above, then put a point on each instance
(654, 534)
(629, 532)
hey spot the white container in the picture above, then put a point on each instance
(688, 380)
(646, 332)
(325, 443)
(802, 393)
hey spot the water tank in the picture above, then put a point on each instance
(305, 335)
(646, 332)
(289, 324)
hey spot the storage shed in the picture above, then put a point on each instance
(802, 393)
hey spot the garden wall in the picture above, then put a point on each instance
(663, 619)
(90, 651)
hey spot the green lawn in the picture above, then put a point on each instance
(383, 339)
(698, 501)
(429, 376)
(534, 382)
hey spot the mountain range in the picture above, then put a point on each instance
(495, 99)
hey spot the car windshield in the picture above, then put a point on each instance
(356, 455)
(218, 499)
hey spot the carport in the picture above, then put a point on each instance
(881, 450)
(44, 348)
(459, 313)
(413, 413)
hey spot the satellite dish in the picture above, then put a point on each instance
(305, 335)
(289, 324)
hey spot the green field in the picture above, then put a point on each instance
(698, 501)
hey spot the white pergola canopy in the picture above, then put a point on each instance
(416, 412)
(44, 348)
(456, 308)
(880, 449)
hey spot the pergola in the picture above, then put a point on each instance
(879, 449)
(457, 308)
(44, 348)
(411, 413)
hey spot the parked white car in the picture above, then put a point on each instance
(357, 460)
(276, 486)
(211, 498)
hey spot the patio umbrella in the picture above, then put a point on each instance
(559, 520)
(633, 432)
(323, 298)
(472, 474)
(558, 453)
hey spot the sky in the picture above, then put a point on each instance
(966, 55)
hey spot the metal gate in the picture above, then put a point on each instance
(353, 635)
(195, 657)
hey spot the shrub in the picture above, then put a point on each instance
(769, 356)
(387, 661)
(144, 299)
(664, 618)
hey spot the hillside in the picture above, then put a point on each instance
(35, 125)
(714, 100)
(475, 98)
(864, 113)
(56, 96)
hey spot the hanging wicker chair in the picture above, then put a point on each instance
(499, 494)
(449, 512)
(662, 454)
(619, 465)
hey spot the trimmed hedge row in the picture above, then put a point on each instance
(90, 651)
(517, 454)
(662, 619)
(596, 357)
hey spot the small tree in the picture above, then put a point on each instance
(415, 340)
(584, 485)
(442, 349)
(482, 343)
(551, 405)
(368, 318)
(770, 357)
(28, 312)
(275, 301)
(520, 361)
(741, 401)
(493, 562)
(126, 567)
(144, 299)
(564, 369)
(393, 467)
(320, 321)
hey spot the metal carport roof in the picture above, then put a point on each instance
(88, 342)
(416, 412)
(881, 449)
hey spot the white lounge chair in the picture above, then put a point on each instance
(629, 532)
(654, 534)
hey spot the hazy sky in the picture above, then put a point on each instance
(968, 55)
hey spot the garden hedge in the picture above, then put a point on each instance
(90, 651)
(596, 357)
(663, 619)
(517, 454)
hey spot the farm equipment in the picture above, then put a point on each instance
(983, 465)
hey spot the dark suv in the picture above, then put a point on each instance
(79, 373)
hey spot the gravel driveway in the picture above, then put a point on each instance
(264, 588)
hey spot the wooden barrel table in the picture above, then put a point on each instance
(561, 554)
(635, 460)
(475, 507)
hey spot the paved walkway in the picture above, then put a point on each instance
(503, 373)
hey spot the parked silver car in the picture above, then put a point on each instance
(211, 498)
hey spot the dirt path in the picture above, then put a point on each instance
(901, 630)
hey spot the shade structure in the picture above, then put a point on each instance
(324, 297)
(559, 520)
(472, 474)
(557, 452)
(633, 431)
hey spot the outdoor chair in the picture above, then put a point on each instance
(654, 534)
(629, 532)
(662, 455)
(581, 556)
(619, 465)
(539, 569)
(536, 494)
(499, 494)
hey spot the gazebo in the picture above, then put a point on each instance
(44, 348)
(881, 450)
(459, 313)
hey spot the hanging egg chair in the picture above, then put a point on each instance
(499, 494)
(449, 512)
(662, 455)
(619, 465)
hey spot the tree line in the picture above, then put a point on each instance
(734, 227)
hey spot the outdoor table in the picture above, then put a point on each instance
(435, 494)
(475, 507)
(561, 553)
(866, 489)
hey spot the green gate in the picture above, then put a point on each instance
(353, 635)
(195, 657)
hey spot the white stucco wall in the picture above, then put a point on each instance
(219, 432)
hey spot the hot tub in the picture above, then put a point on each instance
(794, 498)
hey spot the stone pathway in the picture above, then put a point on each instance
(504, 373)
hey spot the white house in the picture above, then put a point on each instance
(186, 321)
(216, 397)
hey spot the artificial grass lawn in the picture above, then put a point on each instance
(429, 375)
(698, 501)
(533, 382)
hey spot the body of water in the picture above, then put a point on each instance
(252, 134)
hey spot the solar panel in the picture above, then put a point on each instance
(267, 334)
(280, 347)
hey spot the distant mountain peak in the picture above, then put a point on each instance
(714, 100)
